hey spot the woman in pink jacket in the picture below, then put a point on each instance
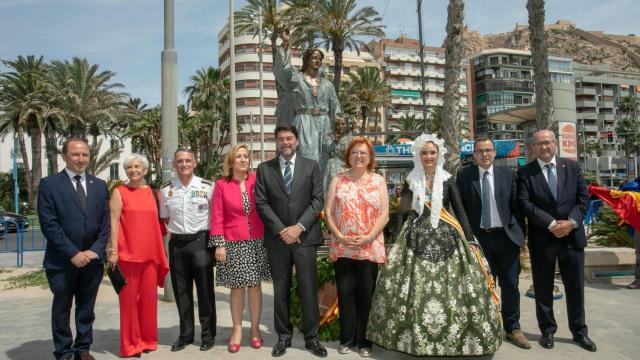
(237, 233)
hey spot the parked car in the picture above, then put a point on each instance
(8, 220)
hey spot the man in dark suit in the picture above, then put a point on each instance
(489, 194)
(554, 198)
(73, 208)
(289, 198)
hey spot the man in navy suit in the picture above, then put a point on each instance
(554, 198)
(74, 218)
(489, 195)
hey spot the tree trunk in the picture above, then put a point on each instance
(25, 164)
(451, 106)
(542, 80)
(36, 154)
(364, 111)
(338, 48)
(51, 150)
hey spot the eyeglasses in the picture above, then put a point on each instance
(360, 153)
(544, 143)
(483, 151)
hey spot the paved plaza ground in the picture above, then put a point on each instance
(613, 316)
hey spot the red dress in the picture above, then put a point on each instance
(142, 259)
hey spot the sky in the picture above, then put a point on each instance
(126, 36)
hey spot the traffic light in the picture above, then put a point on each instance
(610, 136)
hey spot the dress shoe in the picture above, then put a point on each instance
(206, 344)
(233, 348)
(518, 339)
(256, 343)
(365, 351)
(84, 356)
(180, 344)
(344, 349)
(316, 348)
(585, 343)
(634, 285)
(280, 347)
(546, 341)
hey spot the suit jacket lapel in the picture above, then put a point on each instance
(278, 173)
(561, 174)
(69, 187)
(540, 179)
(297, 173)
(475, 182)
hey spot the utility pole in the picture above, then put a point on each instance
(423, 92)
(260, 71)
(169, 60)
(233, 128)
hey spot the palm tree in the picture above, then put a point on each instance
(369, 91)
(146, 138)
(273, 20)
(453, 60)
(629, 105)
(99, 162)
(24, 109)
(407, 126)
(89, 103)
(541, 77)
(337, 25)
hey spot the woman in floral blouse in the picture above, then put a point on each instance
(432, 297)
(357, 208)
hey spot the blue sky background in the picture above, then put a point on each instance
(126, 36)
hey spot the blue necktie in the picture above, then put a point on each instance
(552, 181)
(486, 202)
(288, 177)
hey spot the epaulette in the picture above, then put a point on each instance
(165, 184)
(207, 182)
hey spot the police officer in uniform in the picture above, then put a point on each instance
(184, 205)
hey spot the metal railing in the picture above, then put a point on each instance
(22, 240)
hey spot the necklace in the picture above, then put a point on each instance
(313, 84)
(429, 177)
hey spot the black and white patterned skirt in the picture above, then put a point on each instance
(246, 265)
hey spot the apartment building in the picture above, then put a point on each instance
(400, 62)
(599, 92)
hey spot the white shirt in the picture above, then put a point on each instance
(544, 169)
(83, 179)
(187, 207)
(495, 216)
(283, 165)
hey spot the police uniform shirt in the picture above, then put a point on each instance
(187, 207)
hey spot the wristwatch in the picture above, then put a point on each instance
(575, 223)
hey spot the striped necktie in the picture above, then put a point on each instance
(288, 177)
(552, 181)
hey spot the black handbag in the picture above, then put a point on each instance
(117, 279)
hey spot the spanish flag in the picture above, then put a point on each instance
(625, 203)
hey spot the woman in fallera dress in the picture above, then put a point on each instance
(431, 297)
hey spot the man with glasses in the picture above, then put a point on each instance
(489, 195)
(553, 196)
(184, 205)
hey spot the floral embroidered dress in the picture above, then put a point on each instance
(432, 297)
(356, 210)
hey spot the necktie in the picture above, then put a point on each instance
(80, 190)
(485, 218)
(552, 181)
(288, 177)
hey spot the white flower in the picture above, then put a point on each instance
(486, 327)
(472, 346)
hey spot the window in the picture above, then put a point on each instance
(114, 171)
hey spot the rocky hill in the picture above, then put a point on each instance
(622, 52)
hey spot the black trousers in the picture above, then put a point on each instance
(355, 280)
(191, 261)
(281, 260)
(571, 264)
(503, 256)
(66, 285)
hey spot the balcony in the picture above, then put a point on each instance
(607, 92)
(586, 103)
(585, 91)
(605, 104)
(606, 117)
(505, 85)
(587, 115)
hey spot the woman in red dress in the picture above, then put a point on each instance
(136, 247)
